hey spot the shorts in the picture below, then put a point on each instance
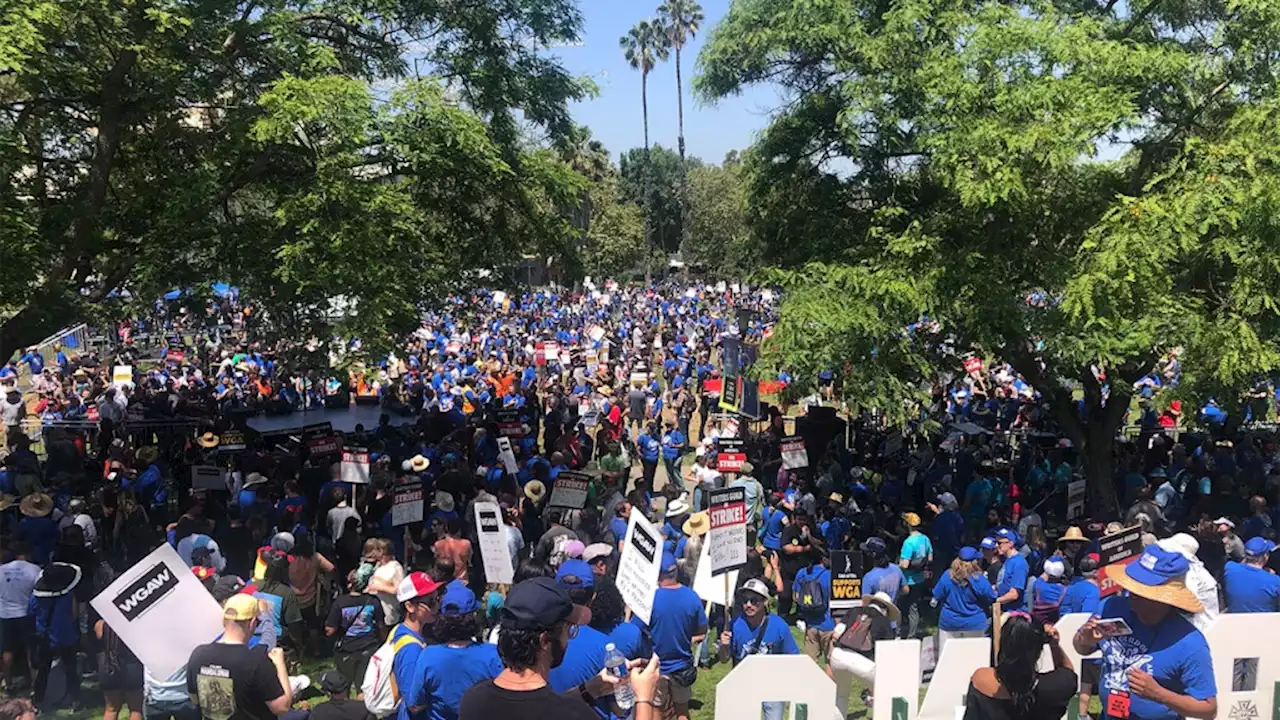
(353, 665)
(816, 642)
(125, 678)
(677, 693)
(13, 634)
(1090, 674)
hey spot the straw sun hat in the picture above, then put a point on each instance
(1158, 575)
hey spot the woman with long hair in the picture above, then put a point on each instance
(1014, 688)
(963, 593)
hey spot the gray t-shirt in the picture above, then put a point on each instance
(636, 401)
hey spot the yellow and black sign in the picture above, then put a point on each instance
(845, 592)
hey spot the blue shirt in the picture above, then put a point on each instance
(1081, 596)
(583, 660)
(629, 641)
(1013, 576)
(618, 527)
(948, 528)
(771, 531)
(1174, 653)
(916, 549)
(888, 580)
(963, 606)
(648, 447)
(776, 638)
(677, 616)
(404, 664)
(54, 620)
(820, 619)
(443, 673)
(1250, 589)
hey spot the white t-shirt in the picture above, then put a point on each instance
(392, 573)
(17, 580)
(707, 477)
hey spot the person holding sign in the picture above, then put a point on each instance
(1155, 664)
(755, 630)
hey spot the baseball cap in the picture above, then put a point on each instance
(575, 574)
(874, 545)
(756, 586)
(226, 586)
(333, 682)
(458, 600)
(913, 520)
(1225, 521)
(1258, 546)
(1007, 534)
(595, 551)
(539, 604)
(415, 585)
(969, 554)
(240, 607)
(988, 543)
(1054, 568)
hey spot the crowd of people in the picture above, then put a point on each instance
(623, 384)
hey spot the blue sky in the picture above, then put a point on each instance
(614, 116)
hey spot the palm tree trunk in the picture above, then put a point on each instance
(648, 190)
(680, 104)
(684, 171)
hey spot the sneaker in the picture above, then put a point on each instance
(298, 683)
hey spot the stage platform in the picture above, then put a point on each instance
(343, 420)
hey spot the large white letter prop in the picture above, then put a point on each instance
(796, 679)
(897, 676)
(1247, 635)
(960, 658)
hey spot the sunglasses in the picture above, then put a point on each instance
(752, 600)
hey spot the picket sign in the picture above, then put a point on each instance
(760, 678)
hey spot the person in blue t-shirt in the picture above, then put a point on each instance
(584, 656)
(419, 598)
(1045, 592)
(1249, 586)
(444, 671)
(947, 529)
(677, 622)
(773, 519)
(1012, 580)
(756, 631)
(1083, 596)
(1162, 666)
(883, 576)
(673, 442)
(964, 595)
(916, 556)
(649, 448)
(812, 591)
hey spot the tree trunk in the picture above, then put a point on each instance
(43, 314)
(684, 170)
(648, 185)
(680, 106)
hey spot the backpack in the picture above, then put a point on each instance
(381, 696)
(812, 597)
(865, 627)
(1044, 612)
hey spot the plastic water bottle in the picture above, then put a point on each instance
(616, 663)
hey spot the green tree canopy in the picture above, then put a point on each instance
(157, 144)
(665, 191)
(720, 239)
(954, 157)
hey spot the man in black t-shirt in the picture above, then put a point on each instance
(798, 538)
(230, 680)
(356, 620)
(340, 705)
(537, 621)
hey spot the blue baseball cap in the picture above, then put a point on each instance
(1156, 566)
(458, 600)
(874, 545)
(988, 543)
(1259, 546)
(575, 574)
(539, 604)
(969, 554)
(1007, 534)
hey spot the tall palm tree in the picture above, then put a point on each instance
(681, 20)
(643, 46)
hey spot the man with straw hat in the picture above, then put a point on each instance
(1155, 664)
(37, 526)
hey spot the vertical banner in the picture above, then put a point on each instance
(731, 371)
(728, 536)
(506, 455)
(407, 505)
(494, 550)
(570, 490)
(355, 466)
(731, 457)
(639, 567)
(160, 610)
(1114, 552)
(846, 580)
(1075, 499)
(794, 453)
